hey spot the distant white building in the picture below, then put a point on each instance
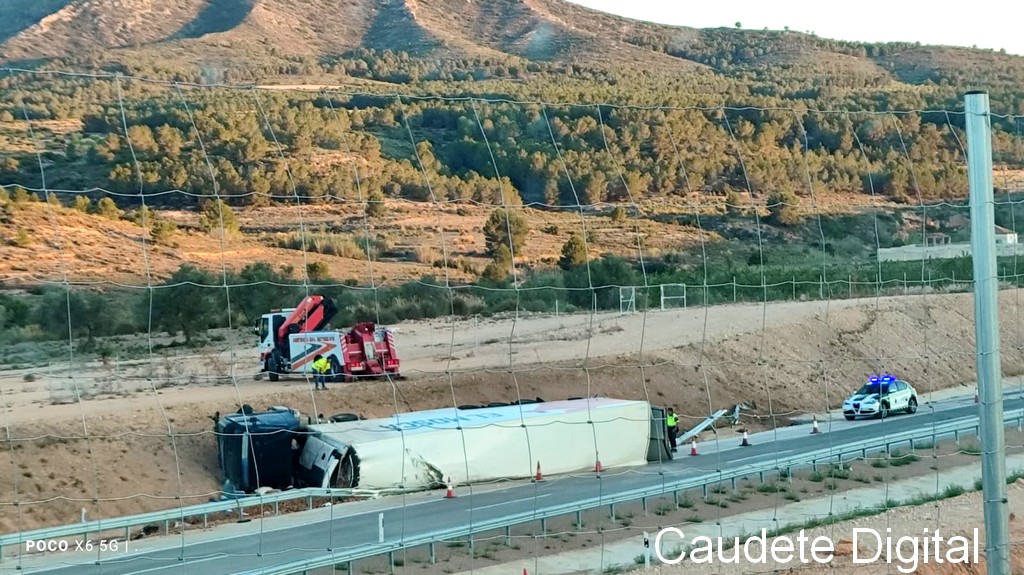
(1005, 236)
(939, 246)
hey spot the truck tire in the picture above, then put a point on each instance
(272, 368)
(337, 374)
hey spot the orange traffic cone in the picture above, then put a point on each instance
(814, 428)
(693, 446)
(597, 467)
(539, 476)
(746, 440)
(450, 494)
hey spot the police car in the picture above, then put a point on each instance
(879, 397)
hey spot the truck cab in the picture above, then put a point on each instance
(268, 325)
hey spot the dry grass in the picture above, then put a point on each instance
(404, 245)
(41, 242)
(954, 516)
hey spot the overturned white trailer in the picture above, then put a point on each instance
(422, 450)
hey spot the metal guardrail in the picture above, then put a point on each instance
(711, 419)
(954, 428)
(203, 510)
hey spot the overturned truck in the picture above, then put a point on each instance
(423, 450)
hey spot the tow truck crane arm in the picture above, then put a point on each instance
(313, 313)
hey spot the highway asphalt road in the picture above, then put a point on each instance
(239, 553)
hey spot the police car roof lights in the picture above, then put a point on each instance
(886, 378)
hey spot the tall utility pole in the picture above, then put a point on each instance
(986, 328)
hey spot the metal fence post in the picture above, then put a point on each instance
(986, 313)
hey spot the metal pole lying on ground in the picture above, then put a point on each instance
(986, 322)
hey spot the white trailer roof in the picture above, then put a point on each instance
(452, 418)
(422, 449)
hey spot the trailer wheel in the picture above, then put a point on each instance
(343, 417)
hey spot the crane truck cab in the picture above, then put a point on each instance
(291, 338)
(266, 326)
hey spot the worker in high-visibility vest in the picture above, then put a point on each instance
(672, 421)
(321, 366)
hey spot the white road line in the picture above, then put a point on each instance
(768, 456)
(171, 564)
(508, 502)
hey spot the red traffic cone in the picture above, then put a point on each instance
(814, 428)
(693, 446)
(450, 494)
(746, 440)
(539, 476)
(597, 467)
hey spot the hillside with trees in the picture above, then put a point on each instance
(483, 144)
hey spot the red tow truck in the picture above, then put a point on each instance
(291, 338)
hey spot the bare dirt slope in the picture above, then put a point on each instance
(794, 356)
(955, 516)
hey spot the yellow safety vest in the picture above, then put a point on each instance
(672, 420)
(321, 365)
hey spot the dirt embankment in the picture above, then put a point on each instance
(149, 444)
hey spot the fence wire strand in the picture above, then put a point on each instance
(580, 323)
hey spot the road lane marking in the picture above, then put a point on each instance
(508, 502)
(172, 564)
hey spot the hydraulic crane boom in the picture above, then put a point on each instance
(313, 313)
